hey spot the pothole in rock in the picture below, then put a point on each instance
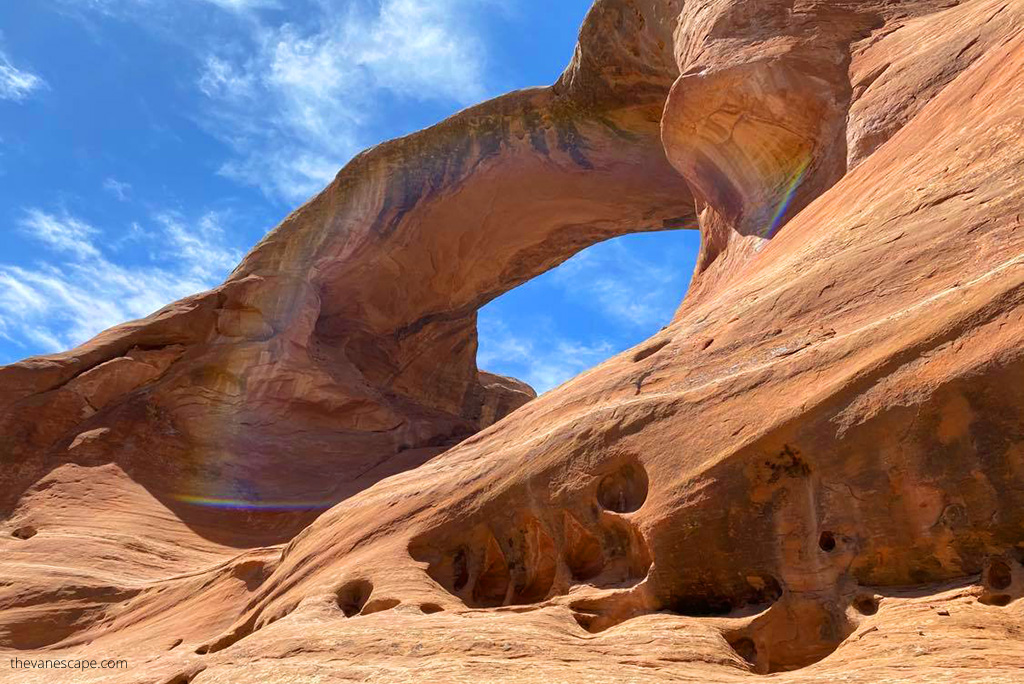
(791, 635)
(866, 605)
(352, 596)
(25, 532)
(379, 606)
(998, 600)
(998, 580)
(185, 677)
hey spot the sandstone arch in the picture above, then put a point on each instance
(345, 341)
(856, 380)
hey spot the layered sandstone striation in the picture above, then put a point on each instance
(816, 469)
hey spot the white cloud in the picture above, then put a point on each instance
(63, 234)
(544, 361)
(120, 7)
(79, 292)
(16, 84)
(117, 188)
(203, 250)
(240, 5)
(621, 292)
(298, 93)
(298, 104)
(624, 286)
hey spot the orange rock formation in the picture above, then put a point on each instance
(816, 470)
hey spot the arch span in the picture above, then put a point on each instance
(345, 342)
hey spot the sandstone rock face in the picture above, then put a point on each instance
(816, 470)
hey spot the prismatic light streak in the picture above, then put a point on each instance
(241, 504)
(787, 199)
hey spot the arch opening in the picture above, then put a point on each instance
(607, 298)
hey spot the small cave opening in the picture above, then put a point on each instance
(827, 542)
(608, 297)
(710, 601)
(352, 596)
(866, 604)
(583, 553)
(625, 489)
(24, 532)
(998, 600)
(379, 606)
(745, 648)
(999, 575)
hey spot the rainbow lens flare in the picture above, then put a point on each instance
(792, 185)
(246, 505)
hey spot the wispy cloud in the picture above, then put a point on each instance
(202, 248)
(60, 233)
(629, 288)
(17, 84)
(542, 360)
(240, 5)
(117, 188)
(297, 105)
(619, 293)
(297, 94)
(76, 291)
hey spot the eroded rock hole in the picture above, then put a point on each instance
(379, 606)
(583, 553)
(180, 679)
(492, 583)
(745, 648)
(26, 532)
(515, 560)
(709, 601)
(431, 608)
(999, 600)
(460, 570)
(866, 605)
(353, 595)
(1000, 575)
(230, 638)
(649, 351)
(698, 605)
(253, 573)
(625, 490)
(827, 542)
(587, 621)
(532, 561)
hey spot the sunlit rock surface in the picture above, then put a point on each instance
(816, 470)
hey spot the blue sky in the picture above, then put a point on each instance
(146, 145)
